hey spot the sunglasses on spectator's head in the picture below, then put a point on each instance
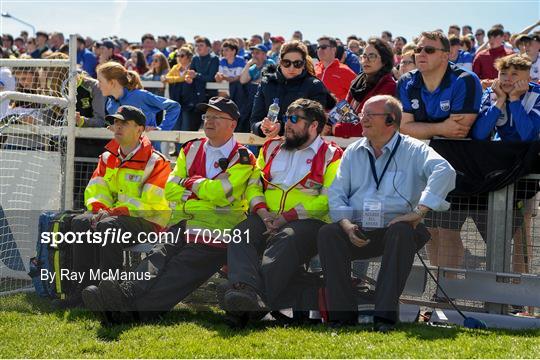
(428, 49)
(323, 47)
(296, 63)
(293, 118)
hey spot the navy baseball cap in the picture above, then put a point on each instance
(126, 113)
(221, 104)
(260, 47)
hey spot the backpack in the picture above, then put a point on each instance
(51, 258)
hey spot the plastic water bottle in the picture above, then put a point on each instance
(273, 111)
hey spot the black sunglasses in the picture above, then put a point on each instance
(296, 63)
(428, 49)
(293, 118)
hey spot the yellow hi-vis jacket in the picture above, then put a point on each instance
(216, 203)
(308, 198)
(133, 186)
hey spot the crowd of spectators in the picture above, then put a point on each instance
(353, 69)
(454, 84)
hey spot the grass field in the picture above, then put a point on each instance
(29, 328)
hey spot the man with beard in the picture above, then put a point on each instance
(288, 204)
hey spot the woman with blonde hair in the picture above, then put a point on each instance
(292, 79)
(123, 87)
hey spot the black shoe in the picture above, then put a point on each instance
(91, 297)
(383, 327)
(114, 296)
(243, 298)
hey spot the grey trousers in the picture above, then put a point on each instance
(397, 244)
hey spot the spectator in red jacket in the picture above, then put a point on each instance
(483, 64)
(375, 79)
(337, 77)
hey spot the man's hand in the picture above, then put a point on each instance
(276, 224)
(78, 119)
(350, 229)
(520, 88)
(100, 215)
(452, 128)
(269, 128)
(486, 83)
(411, 218)
(267, 217)
(219, 77)
(501, 95)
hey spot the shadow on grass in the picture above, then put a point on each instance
(214, 320)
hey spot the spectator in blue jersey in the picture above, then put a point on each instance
(230, 65)
(149, 47)
(123, 87)
(350, 59)
(85, 58)
(253, 69)
(230, 69)
(461, 58)
(467, 44)
(439, 99)
(162, 43)
(510, 108)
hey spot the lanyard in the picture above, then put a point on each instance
(372, 163)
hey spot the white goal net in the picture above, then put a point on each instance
(34, 104)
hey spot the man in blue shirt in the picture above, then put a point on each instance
(253, 69)
(85, 58)
(379, 211)
(511, 106)
(439, 99)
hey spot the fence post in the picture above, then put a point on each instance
(70, 136)
(499, 235)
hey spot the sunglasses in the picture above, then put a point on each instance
(428, 49)
(293, 118)
(323, 47)
(370, 57)
(286, 63)
(182, 55)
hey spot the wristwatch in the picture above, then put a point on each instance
(420, 212)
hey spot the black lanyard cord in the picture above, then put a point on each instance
(378, 180)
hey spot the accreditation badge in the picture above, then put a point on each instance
(372, 213)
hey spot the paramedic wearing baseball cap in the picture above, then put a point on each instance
(125, 192)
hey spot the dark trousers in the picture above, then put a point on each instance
(282, 255)
(88, 256)
(174, 271)
(397, 244)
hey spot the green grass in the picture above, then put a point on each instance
(29, 328)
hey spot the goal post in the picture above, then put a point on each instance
(37, 142)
